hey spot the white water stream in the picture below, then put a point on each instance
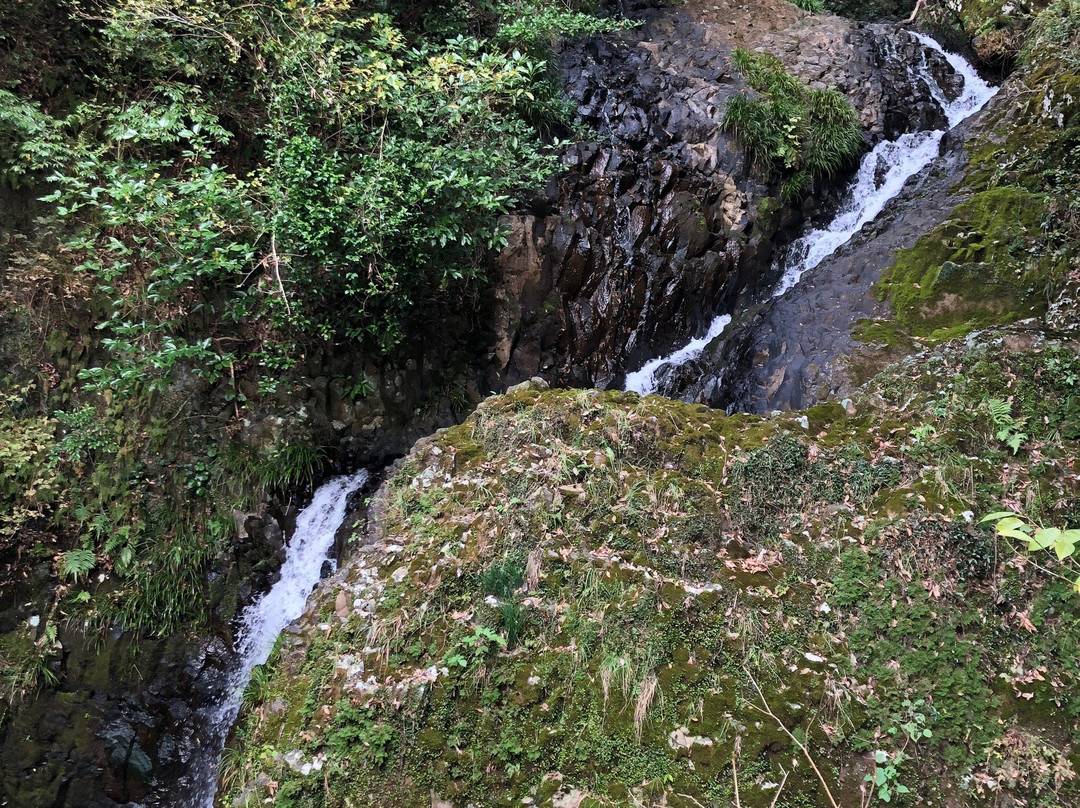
(644, 381)
(263, 620)
(901, 159)
(882, 174)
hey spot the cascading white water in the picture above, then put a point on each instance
(975, 94)
(882, 174)
(871, 190)
(644, 381)
(263, 620)
(887, 168)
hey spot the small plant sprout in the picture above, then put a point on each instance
(883, 781)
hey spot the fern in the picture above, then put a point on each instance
(74, 563)
(1009, 429)
(1000, 411)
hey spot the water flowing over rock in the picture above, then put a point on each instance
(784, 351)
(263, 621)
(652, 229)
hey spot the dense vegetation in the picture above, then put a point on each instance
(227, 189)
(575, 598)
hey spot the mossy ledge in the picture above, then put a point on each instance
(583, 598)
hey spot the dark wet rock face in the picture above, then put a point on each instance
(646, 228)
(871, 66)
(653, 228)
(119, 726)
(794, 351)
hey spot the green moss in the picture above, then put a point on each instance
(981, 267)
(667, 561)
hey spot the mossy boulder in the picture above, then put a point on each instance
(1008, 249)
(980, 267)
(586, 598)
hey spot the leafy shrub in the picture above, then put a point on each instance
(791, 132)
(28, 486)
(370, 198)
(294, 464)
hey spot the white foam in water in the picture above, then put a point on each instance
(976, 91)
(901, 159)
(644, 381)
(264, 620)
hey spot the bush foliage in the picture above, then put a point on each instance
(326, 170)
(792, 133)
(233, 186)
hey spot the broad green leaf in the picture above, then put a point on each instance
(1043, 538)
(1047, 536)
(995, 516)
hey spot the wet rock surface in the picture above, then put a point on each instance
(793, 351)
(653, 228)
(121, 722)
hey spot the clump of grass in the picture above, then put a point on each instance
(502, 578)
(295, 464)
(792, 133)
(1057, 31)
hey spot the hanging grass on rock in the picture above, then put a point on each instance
(792, 133)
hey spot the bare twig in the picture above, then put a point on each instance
(277, 271)
(688, 797)
(915, 13)
(801, 746)
(779, 790)
(735, 777)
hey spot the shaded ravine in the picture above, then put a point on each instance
(783, 351)
(262, 622)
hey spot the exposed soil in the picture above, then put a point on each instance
(747, 24)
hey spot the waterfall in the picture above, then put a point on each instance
(263, 620)
(882, 174)
(885, 170)
(644, 381)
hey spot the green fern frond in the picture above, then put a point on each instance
(74, 563)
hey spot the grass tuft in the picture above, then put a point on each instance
(793, 134)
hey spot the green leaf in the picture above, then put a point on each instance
(1014, 528)
(995, 516)
(1042, 539)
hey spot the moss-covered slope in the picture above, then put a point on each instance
(585, 598)
(1008, 251)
